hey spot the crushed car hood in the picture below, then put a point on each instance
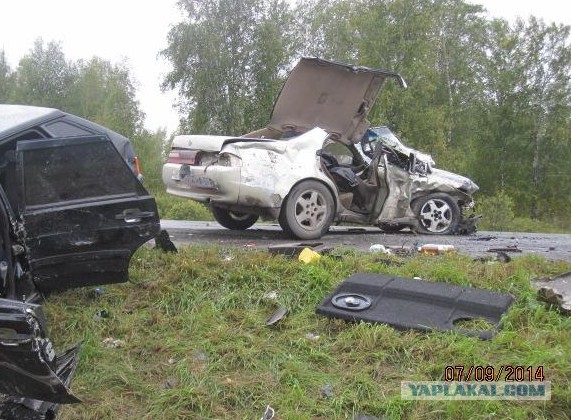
(466, 185)
(333, 96)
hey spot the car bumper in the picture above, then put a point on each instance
(204, 184)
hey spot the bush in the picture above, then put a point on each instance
(498, 214)
(524, 224)
(171, 207)
(497, 211)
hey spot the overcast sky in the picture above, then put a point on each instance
(136, 30)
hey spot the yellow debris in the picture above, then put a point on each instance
(308, 255)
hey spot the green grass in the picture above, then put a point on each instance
(196, 344)
(177, 208)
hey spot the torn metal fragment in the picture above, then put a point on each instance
(506, 249)
(327, 391)
(556, 291)
(269, 413)
(29, 367)
(277, 316)
(164, 243)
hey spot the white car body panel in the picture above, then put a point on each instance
(268, 171)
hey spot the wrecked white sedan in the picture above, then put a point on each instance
(318, 163)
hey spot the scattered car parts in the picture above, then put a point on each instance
(506, 249)
(415, 304)
(277, 316)
(295, 248)
(556, 291)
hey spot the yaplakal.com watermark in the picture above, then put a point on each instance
(500, 390)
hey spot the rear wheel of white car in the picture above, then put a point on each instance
(308, 211)
(437, 213)
(232, 219)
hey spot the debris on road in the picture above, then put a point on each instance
(113, 343)
(556, 291)
(509, 248)
(327, 391)
(277, 316)
(164, 243)
(499, 257)
(293, 249)
(484, 238)
(436, 249)
(403, 250)
(308, 256)
(379, 249)
(269, 413)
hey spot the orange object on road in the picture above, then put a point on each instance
(435, 249)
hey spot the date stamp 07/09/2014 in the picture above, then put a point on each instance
(481, 373)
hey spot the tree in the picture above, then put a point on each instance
(43, 77)
(96, 89)
(527, 115)
(5, 78)
(105, 93)
(434, 44)
(221, 61)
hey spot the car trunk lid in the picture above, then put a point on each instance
(333, 96)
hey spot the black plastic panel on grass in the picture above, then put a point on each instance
(416, 304)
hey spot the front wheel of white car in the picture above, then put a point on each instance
(233, 220)
(308, 211)
(437, 214)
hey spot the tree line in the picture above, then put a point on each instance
(487, 98)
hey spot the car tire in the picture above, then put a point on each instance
(308, 211)
(234, 220)
(437, 214)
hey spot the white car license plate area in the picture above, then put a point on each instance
(196, 181)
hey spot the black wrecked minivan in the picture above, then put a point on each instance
(72, 213)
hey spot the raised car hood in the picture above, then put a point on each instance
(336, 97)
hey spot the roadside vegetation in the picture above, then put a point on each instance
(193, 341)
(176, 208)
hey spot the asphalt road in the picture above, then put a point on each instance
(481, 244)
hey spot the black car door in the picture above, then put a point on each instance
(84, 212)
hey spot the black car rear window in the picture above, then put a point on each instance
(75, 172)
(65, 129)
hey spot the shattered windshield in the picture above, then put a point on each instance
(386, 136)
(390, 140)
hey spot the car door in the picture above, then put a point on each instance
(83, 210)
